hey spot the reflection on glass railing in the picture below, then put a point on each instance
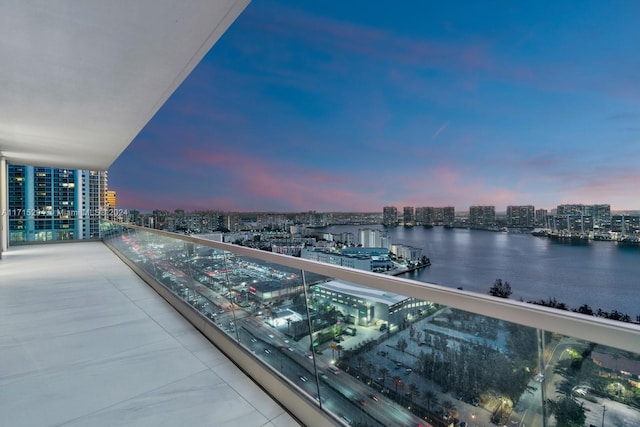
(52, 229)
(375, 358)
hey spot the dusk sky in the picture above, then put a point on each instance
(356, 105)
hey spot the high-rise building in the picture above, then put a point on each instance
(389, 216)
(448, 215)
(583, 218)
(55, 204)
(111, 198)
(482, 216)
(435, 216)
(541, 218)
(520, 216)
(408, 215)
(372, 238)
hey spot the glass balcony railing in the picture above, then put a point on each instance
(43, 230)
(376, 350)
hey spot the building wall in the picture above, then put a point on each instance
(54, 203)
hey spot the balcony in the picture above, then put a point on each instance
(84, 341)
(361, 348)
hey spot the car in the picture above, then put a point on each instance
(319, 399)
(374, 397)
(310, 356)
(253, 339)
(271, 336)
(324, 376)
(408, 371)
(289, 348)
(362, 402)
(303, 378)
(266, 350)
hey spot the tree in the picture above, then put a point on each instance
(500, 289)
(429, 397)
(383, 373)
(402, 344)
(448, 406)
(397, 381)
(370, 368)
(568, 412)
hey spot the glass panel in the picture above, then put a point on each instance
(377, 358)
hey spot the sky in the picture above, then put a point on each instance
(352, 106)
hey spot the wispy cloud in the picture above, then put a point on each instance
(440, 129)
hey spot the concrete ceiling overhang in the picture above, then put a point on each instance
(79, 79)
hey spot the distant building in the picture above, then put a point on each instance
(578, 218)
(435, 216)
(389, 216)
(482, 216)
(541, 218)
(520, 216)
(111, 198)
(358, 258)
(372, 238)
(345, 238)
(408, 253)
(625, 224)
(448, 216)
(409, 215)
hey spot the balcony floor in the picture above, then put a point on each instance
(85, 342)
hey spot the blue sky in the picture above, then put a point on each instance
(352, 106)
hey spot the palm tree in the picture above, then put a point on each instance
(371, 368)
(333, 347)
(448, 406)
(397, 381)
(413, 390)
(429, 397)
(383, 373)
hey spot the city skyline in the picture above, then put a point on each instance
(333, 108)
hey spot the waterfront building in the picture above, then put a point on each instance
(520, 216)
(55, 204)
(372, 238)
(541, 218)
(424, 216)
(482, 216)
(430, 215)
(359, 262)
(406, 252)
(389, 216)
(448, 215)
(579, 218)
(602, 217)
(625, 224)
(409, 216)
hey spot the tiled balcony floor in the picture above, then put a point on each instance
(85, 342)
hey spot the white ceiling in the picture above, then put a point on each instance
(79, 79)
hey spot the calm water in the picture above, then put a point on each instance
(602, 274)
